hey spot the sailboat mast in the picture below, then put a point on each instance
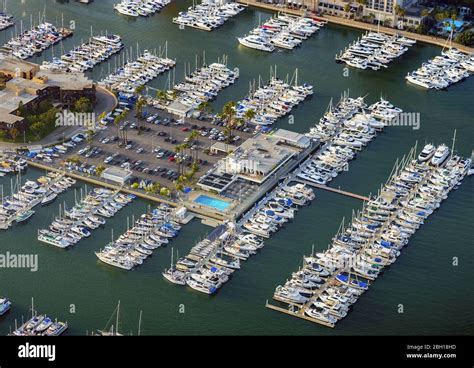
(118, 311)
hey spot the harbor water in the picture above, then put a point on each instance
(436, 297)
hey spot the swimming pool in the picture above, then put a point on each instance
(448, 23)
(212, 202)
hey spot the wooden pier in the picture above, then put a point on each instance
(299, 313)
(334, 190)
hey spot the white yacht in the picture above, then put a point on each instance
(427, 152)
(256, 42)
(441, 154)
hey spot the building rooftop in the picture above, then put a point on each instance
(66, 81)
(9, 100)
(258, 157)
(12, 64)
(292, 138)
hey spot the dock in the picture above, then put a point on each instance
(334, 190)
(299, 313)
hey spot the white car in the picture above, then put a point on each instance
(108, 159)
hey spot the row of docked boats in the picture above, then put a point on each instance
(344, 130)
(35, 41)
(18, 207)
(138, 72)
(84, 57)
(374, 50)
(444, 70)
(143, 8)
(283, 31)
(277, 208)
(12, 164)
(212, 261)
(204, 84)
(149, 232)
(331, 281)
(208, 15)
(41, 325)
(272, 101)
(78, 222)
(6, 20)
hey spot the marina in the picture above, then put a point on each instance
(330, 282)
(143, 8)
(273, 100)
(450, 68)
(283, 31)
(35, 41)
(201, 86)
(243, 299)
(138, 72)
(40, 325)
(85, 57)
(208, 15)
(18, 207)
(150, 231)
(374, 50)
(88, 214)
(6, 20)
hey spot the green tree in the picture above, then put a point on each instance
(83, 104)
(249, 115)
(14, 133)
(465, 38)
(117, 120)
(90, 136)
(99, 170)
(38, 129)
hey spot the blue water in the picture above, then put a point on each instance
(212, 202)
(457, 24)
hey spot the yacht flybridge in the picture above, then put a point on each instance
(374, 50)
(208, 15)
(443, 71)
(284, 31)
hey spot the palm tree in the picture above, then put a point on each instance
(89, 136)
(204, 107)
(118, 119)
(249, 115)
(399, 11)
(194, 137)
(161, 95)
(139, 112)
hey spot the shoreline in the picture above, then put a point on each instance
(437, 41)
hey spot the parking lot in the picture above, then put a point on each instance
(151, 153)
